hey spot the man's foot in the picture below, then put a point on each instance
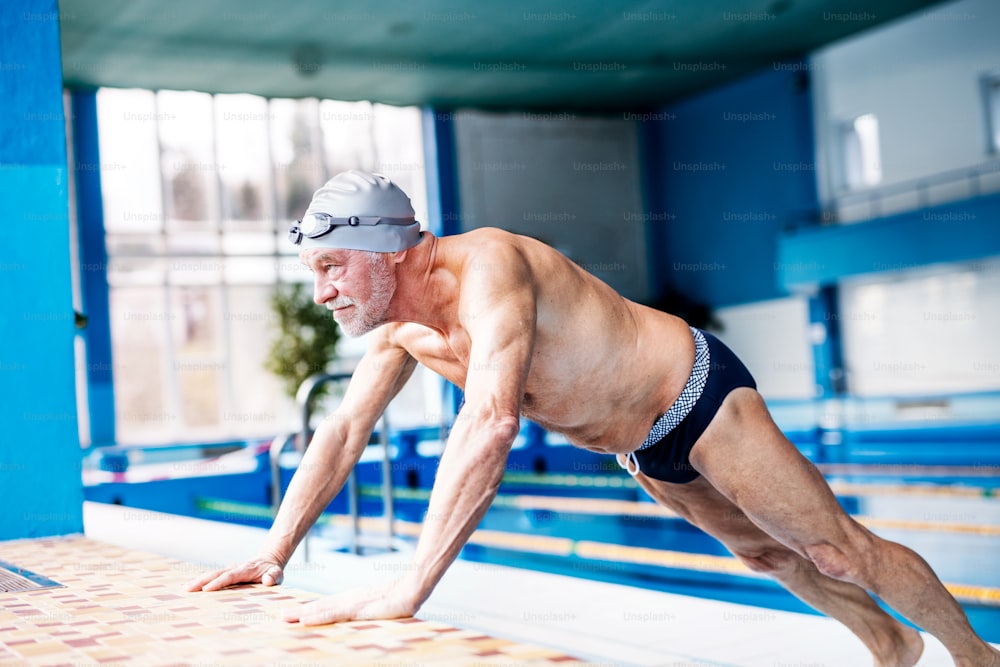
(906, 652)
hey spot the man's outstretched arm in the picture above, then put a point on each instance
(335, 448)
(500, 320)
(467, 480)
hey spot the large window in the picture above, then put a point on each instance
(198, 194)
(925, 331)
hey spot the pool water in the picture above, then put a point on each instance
(586, 518)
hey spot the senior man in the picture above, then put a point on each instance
(526, 332)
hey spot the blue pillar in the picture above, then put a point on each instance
(442, 191)
(442, 171)
(824, 321)
(93, 267)
(40, 488)
(828, 357)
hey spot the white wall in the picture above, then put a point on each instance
(921, 77)
(929, 331)
(570, 181)
(772, 340)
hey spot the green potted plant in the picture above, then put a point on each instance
(305, 342)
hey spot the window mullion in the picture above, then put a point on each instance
(227, 375)
(174, 391)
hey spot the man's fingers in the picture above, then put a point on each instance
(225, 579)
(197, 583)
(318, 613)
(354, 605)
(269, 574)
(323, 617)
(222, 579)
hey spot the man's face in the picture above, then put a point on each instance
(356, 285)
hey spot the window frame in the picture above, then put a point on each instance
(990, 88)
(125, 247)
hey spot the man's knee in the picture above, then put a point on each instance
(777, 562)
(830, 560)
(850, 561)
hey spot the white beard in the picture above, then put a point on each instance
(368, 316)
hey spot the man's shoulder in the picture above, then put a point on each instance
(490, 248)
(486, 232)
(487, 238)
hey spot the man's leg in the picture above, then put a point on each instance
(891, 642)
(745, 456)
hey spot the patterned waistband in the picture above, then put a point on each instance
(689, 396)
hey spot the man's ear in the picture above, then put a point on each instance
(399, 256)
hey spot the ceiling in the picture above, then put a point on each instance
(514, 54)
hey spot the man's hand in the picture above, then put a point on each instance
(360, 604)
(259, 571)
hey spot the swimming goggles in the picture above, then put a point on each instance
(316, 225)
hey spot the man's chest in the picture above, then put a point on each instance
(446, 353)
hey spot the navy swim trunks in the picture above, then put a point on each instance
(665, 453)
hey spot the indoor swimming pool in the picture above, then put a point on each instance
(564, 511)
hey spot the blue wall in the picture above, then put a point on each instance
(94, 261)
(735, 167)
(40, 488)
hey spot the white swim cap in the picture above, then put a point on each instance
(356, 210)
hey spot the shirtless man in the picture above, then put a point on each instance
(526, 332)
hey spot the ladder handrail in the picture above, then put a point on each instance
(303, 397)
(278, 446)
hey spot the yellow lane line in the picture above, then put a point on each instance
(930, 526)
(647, 556)
(542, 544)
(591, 506)
(728, 565)
(630, 508)
(558, 546)
(970, 593)
(953, 491)
(839, 487)
(634, 508)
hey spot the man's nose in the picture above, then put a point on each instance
(323, 292)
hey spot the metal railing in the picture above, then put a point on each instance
(972, 178)
(303, 398)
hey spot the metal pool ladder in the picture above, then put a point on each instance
(301, 441)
